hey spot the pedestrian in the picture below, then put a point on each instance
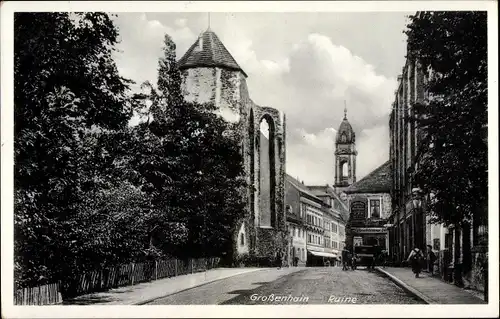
(415, 258)
(354, 261)
(431, 258)
(345, 258)
(384, 256)
(375, 258)
(278, 259)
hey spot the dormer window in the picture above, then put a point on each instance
(199, 47)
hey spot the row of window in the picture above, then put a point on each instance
(331, 244)
(297, 232)
(314, 220)
(334, 228)
(301, 233)
(314, 239)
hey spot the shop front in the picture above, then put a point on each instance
(320, 259)
(371, 236)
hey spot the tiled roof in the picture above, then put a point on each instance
(301, 187)
(378, 181)
(327, 190)
(211, 53)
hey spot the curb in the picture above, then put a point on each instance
(143, 302)
(406, 287)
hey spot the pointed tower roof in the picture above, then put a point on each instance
(345, 129)
(208, 51)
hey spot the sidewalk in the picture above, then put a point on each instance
(148, 291)
(429, 289)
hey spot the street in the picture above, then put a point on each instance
(295, 286)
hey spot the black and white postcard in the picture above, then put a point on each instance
(317, 159)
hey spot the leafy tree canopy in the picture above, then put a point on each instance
(451, 48)
(196, 176)
(71, 110)
(91, 191)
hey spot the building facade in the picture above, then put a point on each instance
(335, 214)
(408, 221)
(460, 250)
(211, 75)
(295, 201)
(317, 229)
(369, 202)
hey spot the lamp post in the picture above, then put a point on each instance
(417, 204)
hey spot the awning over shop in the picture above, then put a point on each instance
(323, 254)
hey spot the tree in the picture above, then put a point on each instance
(71, 109)
(194, 166)
(451, 48)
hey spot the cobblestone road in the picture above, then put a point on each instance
(295, 286)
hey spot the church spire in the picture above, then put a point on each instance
(345, 110)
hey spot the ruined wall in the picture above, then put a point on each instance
(228, 90)
(199, 85)
(224, 88)
(270, 239)
(265, 174)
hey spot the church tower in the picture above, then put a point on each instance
(345, 154)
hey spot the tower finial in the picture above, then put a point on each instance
(345, 110)
(208, 21)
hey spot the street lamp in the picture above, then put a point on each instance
(417, 204)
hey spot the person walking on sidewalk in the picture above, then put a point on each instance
(354, 261)
(345, 259)
(431, 258)
(383, 258)
(415, 258)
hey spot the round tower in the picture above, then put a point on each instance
(210, 74)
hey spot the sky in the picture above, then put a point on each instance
(304, 64)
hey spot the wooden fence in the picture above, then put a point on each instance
(41, 295)
(113, 277)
